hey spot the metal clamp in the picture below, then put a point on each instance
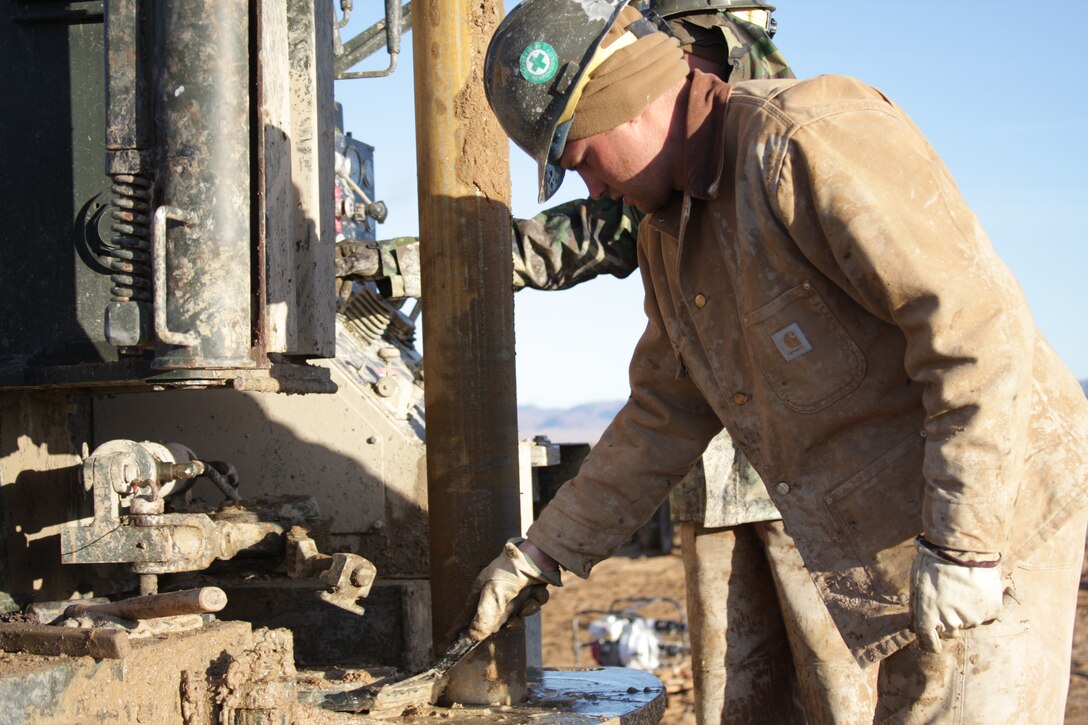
(349, 578)
(158, 264)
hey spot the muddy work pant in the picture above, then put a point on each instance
(1014, 671)
(764, 648)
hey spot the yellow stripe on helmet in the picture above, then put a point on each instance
(599, 57)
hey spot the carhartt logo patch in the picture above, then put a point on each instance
(539, 62)
(791, 342)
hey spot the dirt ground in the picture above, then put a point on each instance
(663, 576)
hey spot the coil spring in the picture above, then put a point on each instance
(130, 255)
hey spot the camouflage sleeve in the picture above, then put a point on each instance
(393, 263)
(574, 242)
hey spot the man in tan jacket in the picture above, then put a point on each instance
(816, 284)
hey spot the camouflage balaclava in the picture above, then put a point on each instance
(635, 72)
(641, 69)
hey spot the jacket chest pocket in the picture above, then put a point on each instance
(804, 353)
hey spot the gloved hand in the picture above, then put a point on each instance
(500, 583)
(952, 590)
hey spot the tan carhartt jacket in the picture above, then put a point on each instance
(822, 289)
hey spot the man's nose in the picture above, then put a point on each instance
(595, 187)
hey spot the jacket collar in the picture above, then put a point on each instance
(707, 100)
(708, 97)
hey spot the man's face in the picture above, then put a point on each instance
(623, 163)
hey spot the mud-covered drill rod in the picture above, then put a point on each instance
(188, 601)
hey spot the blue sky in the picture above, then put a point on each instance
(1001, 93)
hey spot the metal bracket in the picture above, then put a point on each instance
(348, 576)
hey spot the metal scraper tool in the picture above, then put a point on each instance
(393, 698)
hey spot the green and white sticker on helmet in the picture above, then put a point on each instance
(539, 62)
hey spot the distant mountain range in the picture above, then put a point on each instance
(583, 423)
(580, 424)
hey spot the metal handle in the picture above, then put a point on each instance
(363, 45)
(158, 264)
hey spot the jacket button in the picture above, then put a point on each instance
(741, 398)
(782, 487)
(700, 300)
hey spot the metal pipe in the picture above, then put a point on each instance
(392, 43)
(464, 221)
(202, 114)
(202, 600)
(368, 42)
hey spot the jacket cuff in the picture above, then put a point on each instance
(576, 548)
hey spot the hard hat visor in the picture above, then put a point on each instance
(551, 173)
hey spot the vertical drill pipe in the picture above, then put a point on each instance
(466, 269)
(202, 114)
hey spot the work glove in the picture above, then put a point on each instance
(511, 585)
(357, 258)
(952, 590)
